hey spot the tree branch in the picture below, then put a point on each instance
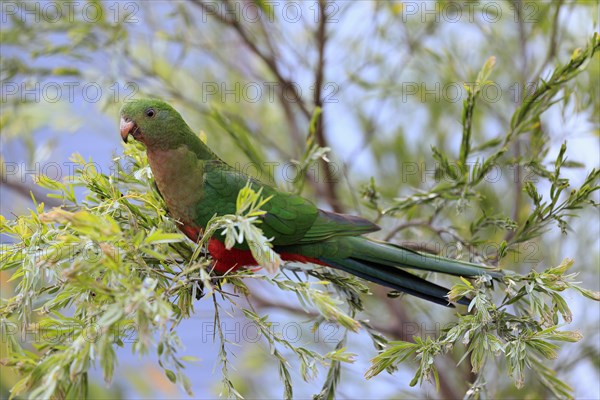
(26, 191)
(269, 60)
(329, 184)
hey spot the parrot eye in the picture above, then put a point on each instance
(150, 113)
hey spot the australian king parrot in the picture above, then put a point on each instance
(197, 185)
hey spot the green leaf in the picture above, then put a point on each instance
(171, 375)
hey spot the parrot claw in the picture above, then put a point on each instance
(200, 288)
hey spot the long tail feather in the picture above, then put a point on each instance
(396, 279)
(385, 264)
(395, 256)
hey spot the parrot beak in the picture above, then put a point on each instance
(125, 128)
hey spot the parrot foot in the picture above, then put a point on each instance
(199, 286)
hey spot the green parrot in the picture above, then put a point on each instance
(197, 185)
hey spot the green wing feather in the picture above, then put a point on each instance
(289, 219)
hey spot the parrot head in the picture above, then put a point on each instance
(152, 122)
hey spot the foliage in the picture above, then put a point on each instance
(115, 261)
(524, 336)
